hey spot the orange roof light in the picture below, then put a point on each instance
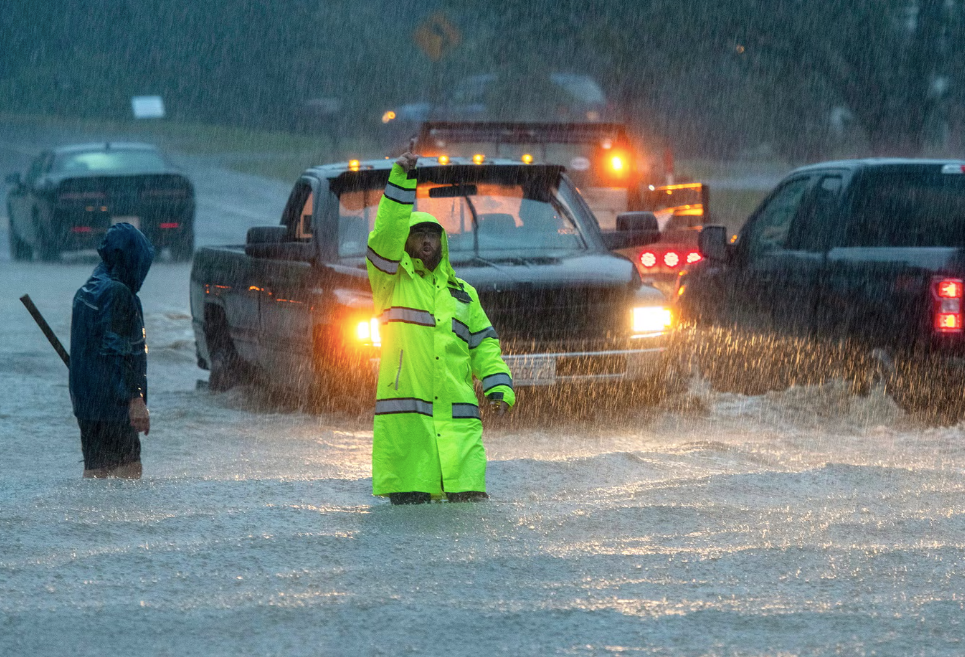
(527, 158)
(354, 165)
(443, 159)
(478, 158)
(388, 116)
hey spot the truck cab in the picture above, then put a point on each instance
(294, 302)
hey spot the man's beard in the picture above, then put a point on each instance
(430, 261)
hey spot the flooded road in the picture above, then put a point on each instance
(806, 522)
(803, 522)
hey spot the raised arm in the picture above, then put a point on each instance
(387, 240)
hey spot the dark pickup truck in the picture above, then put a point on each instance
(293, 304)
(851, 267)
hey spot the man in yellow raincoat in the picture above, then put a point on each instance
(435, 337)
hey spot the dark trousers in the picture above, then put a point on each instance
(108, 444)
(425, 498)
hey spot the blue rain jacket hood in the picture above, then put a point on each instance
(127, 254)
(108, 347)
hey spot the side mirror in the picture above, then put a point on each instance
(637, 222)
(13, 179)
(633, 229)
(266, 235)
(712, 242)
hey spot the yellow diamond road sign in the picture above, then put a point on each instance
(436, 36)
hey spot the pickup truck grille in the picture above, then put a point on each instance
(548, 319)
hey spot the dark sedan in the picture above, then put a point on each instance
(71, 195)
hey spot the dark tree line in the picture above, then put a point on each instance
(709, 77)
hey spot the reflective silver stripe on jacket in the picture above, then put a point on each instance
(400, 194)
(494, 380)
(465, 411)
(404, 405)
(476, 338)
(461, 330)
(407, 316)
(382, 264)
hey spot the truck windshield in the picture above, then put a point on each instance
(487, 219)
(909, 208)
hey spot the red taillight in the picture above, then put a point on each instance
(949, 289)
(671, 259)
(648, 259)
(948, 322)
(167, 225)
(693, 257)
(947, 298)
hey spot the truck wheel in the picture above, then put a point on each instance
(226, 366)
(46, 251)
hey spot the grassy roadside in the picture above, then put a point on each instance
(270, 153)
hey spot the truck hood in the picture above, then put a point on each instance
(584, 269)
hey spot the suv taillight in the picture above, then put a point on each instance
(947, 297)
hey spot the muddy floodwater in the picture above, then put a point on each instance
(803, 522)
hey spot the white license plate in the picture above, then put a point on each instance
(134, 221)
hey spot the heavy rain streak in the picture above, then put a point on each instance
(723, 248)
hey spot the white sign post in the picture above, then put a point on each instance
(147, 107)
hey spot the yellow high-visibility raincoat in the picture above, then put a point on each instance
(435, 338)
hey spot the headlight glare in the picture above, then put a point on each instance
(368, 332)
(651, 319)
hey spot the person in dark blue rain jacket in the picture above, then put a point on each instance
(108, 356)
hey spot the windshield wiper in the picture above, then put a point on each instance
(475, 226)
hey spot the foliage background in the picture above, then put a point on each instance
(711, 79)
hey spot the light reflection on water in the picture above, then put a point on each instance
(803, 522)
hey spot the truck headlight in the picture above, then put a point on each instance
(651, 319)
(367, 332)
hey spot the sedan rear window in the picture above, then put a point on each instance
(113, 161)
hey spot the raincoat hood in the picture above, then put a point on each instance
(425, 218)
(127, 255)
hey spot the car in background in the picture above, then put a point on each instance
(558, 97)
(71, 195)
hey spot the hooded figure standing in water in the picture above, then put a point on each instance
(108, 356)
(427, 439)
